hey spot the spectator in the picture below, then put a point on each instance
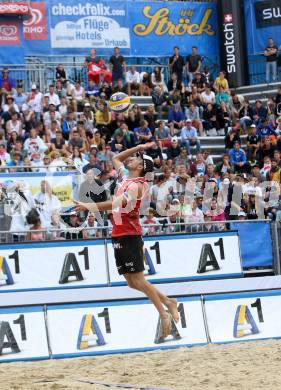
(162, 135)
(193, 113)
(14, 125)
(221, 83)
(117, 65)
(193, 63)
(7, 83)
(35, 101)
(78, 96)
(34, 143)
(224, 166)
(96, 68)
(142, 133)
(223, 119)
(173, 150)
(208, 96)
(198, 168)
(33, 219)
(209, 120)
(46, 202)
(246, 115)
(60, 73)
(199, 82)
(238, 159)
(264, 129)
(133, 81)
(253, 143)
(150, 219)
(159, 100)
(19, 96)
(157, 79)
(174, 83)
(175, 119)
(270, 53)
(53, 97)
(194, 216)
(146, 84)
(176, 64)
(259, 112)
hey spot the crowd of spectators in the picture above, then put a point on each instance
(69, 126)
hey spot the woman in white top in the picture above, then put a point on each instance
(157, 79)
(78, 95)
(14, 124)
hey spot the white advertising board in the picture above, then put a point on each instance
(188, 257)
(240, 317)
(23, 334)
(92, 329)
(47, 265)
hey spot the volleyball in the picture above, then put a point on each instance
(119, 102)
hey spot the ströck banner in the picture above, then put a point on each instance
(138, 28)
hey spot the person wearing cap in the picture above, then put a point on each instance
(7, 83)
(127, 231)
(173, 150)
(35, 101)
(242, 216)
(189, 137)
(19, 96)
(238, 158)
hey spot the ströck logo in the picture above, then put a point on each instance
(228, 32)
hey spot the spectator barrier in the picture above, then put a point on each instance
(79, 264)
(60, 331)
(255, 243)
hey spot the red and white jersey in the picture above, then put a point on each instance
(127, 223)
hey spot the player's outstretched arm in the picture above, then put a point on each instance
(120, 157)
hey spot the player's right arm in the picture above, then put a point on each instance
(119, 158)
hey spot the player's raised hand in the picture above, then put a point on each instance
(79, 206)
(148, 145)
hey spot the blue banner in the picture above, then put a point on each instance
(256, 243)
(263, 20)
(139, 28)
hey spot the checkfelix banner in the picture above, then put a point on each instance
(139, 28)
(263, 20)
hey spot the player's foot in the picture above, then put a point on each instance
(166, 324)
(172, 306)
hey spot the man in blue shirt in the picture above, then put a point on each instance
(19, 97)
(142, 133)
(238, 159)
(189, 137)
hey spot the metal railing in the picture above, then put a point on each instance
(256, 69)
(41, 71)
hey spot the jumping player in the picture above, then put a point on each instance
(127, 233)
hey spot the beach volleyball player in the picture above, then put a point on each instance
(127, 233)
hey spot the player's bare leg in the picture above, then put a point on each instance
(170, 303)
(138, 282)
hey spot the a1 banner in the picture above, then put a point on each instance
(23, 334)
(241, 317)
(52, 265)
(187, 257)
(92, 329)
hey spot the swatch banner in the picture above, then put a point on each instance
(263, 20)
(138, 28)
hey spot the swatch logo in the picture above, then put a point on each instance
(9, 33)
(35, 28)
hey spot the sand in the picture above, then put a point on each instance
(248, 365)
